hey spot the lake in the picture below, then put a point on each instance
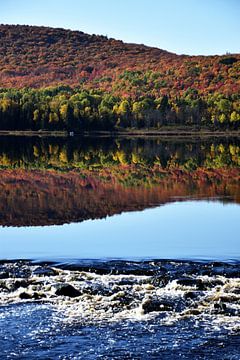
(119, 248)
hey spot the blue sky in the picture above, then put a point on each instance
(181, 26)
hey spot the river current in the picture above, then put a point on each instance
(120, 310)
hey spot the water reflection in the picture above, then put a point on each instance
(69, 153)
(182, 230)
(47, 181)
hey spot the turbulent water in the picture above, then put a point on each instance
(120, 310)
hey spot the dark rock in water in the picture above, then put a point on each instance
(25, 296)
(192, 295)
(37, 296)
(4, 275)
(67, 290)
(34, 296)
(20, 283)
(220, 306)
(156, 305)
(198, 283)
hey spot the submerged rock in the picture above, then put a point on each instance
(67, 290)
(33, 296)
(25, 296)
(151, 305)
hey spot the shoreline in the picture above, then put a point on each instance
(165, 132)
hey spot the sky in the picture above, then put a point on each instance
(181, 26)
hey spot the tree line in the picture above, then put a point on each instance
(76, 109)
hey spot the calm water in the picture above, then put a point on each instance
(180, 230)
(119, 248)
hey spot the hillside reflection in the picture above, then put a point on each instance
(55, 181)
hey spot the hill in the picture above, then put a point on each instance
(41, 56)
(58, 79)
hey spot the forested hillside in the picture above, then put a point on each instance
(59, 79)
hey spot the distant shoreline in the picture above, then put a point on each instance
(165, 132)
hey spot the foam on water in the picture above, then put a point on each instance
(119, 310)
(114, 297)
